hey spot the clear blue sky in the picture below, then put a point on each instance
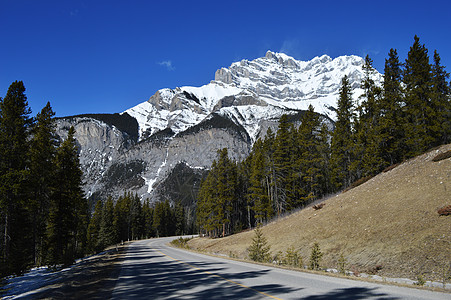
(107, 56)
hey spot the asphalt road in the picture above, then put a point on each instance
(153, 270)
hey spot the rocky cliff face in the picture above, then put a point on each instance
(139, 148)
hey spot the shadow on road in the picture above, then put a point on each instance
(151, 275)
(356, 293)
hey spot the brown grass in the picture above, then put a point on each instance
(390, 223)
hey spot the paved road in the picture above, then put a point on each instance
(152, 270)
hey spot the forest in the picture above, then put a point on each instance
(45, 218)
(299, 163)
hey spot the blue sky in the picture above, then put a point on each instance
(107, 56)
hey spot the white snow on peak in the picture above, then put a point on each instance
(276, 80)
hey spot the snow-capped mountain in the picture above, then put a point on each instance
(249, 91)
(136, 149)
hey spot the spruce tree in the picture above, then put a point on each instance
(16, 250)
(309, 156)
(259, 250)
(283, 165)
(390, 126)
(258, 197)
(107, 232)
(94, 243)
(441, 100)
(367, 160)
(421, 132)
(342, 144)
(42, 154)
(67, 220)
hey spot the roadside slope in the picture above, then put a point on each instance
(390, 221)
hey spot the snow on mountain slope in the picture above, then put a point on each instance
(251, 91)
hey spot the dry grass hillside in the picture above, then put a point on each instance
(390, 221)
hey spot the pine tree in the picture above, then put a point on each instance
(16, 248)
(315, 257)
(259, 250)
(283, 165)
(148, 219)
(342, 138)
(107, 232)
(441, 100)
(421, 132)
(258, 197)
(390, 127)
(42, 154)
(367, 160)
(324, 154)
(309, 156)
(67, 220)
(94, 243)
(206, 203)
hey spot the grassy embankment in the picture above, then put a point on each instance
(391, 222)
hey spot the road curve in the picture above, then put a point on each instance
(153, 270)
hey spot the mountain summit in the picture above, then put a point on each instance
(138, 149)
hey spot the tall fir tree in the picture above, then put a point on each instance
(283, 146)
(258, 196)
(421, 131)
(441, 99)
(94, 243)
(42, 177)
(308, 157)
(16, 248)
(343, 138)
(367, 160)
(107, 230)
(390, 126)
(67, 222)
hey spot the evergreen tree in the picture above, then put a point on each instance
(180, 220)
(390, 127)
(367, 160)
(107, 232)
(94, 244)
(136, 217)
(315, 257)
(148, 219)
(270, 173)
(342, 138)
(16, 248)
(42, 154)
(309, 156)
(226, 186)
(324, 154)
(206, 203)
(420, 129)
(283, 166)
(120, 221)
(258, 197)
(68, 208)
(441, 100)
(259, 249)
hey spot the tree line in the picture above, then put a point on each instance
(43, 211)
(45, 218)
(409, 114)
(128, 218)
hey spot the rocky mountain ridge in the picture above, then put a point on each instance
(137, 149)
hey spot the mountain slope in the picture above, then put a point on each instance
(390, 221)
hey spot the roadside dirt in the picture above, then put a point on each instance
(93, 278)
